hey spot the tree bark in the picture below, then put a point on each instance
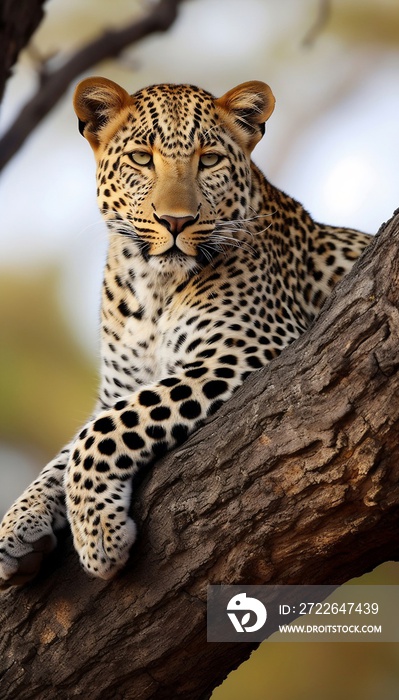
(18, 21)
(295, 480)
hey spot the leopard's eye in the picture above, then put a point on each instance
(141, 157)
(208, 160)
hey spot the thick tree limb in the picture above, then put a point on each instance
(18, 21)
(53, 84)
(295, 480)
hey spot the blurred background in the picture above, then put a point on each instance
(332, 142)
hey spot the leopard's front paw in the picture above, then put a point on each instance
(98, 487)
(102, 536)
(26, 536)
(97, 507)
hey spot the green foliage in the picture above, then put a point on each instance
(366, 21)
(47, 385)
(310, 671)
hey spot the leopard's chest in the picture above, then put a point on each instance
(146, 343)
(144, 348)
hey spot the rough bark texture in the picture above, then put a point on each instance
(18, 21)
(295, 480)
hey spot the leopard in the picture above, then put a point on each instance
(211, 272)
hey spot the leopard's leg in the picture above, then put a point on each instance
(121, 440)
(27, 529)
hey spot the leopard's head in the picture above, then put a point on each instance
(173, 163)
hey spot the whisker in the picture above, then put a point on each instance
(230, 222)
(224, 242)
(208, 131)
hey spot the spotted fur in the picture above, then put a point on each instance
(211, 272)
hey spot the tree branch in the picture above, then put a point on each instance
(295, 480)
(324, 13)
(53, 84)
(18, 21)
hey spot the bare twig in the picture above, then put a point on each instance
(53, 85)
(320, 22)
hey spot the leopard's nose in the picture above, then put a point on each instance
(176, 224)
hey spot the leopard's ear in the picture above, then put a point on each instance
(97, 101)
(246, 108)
